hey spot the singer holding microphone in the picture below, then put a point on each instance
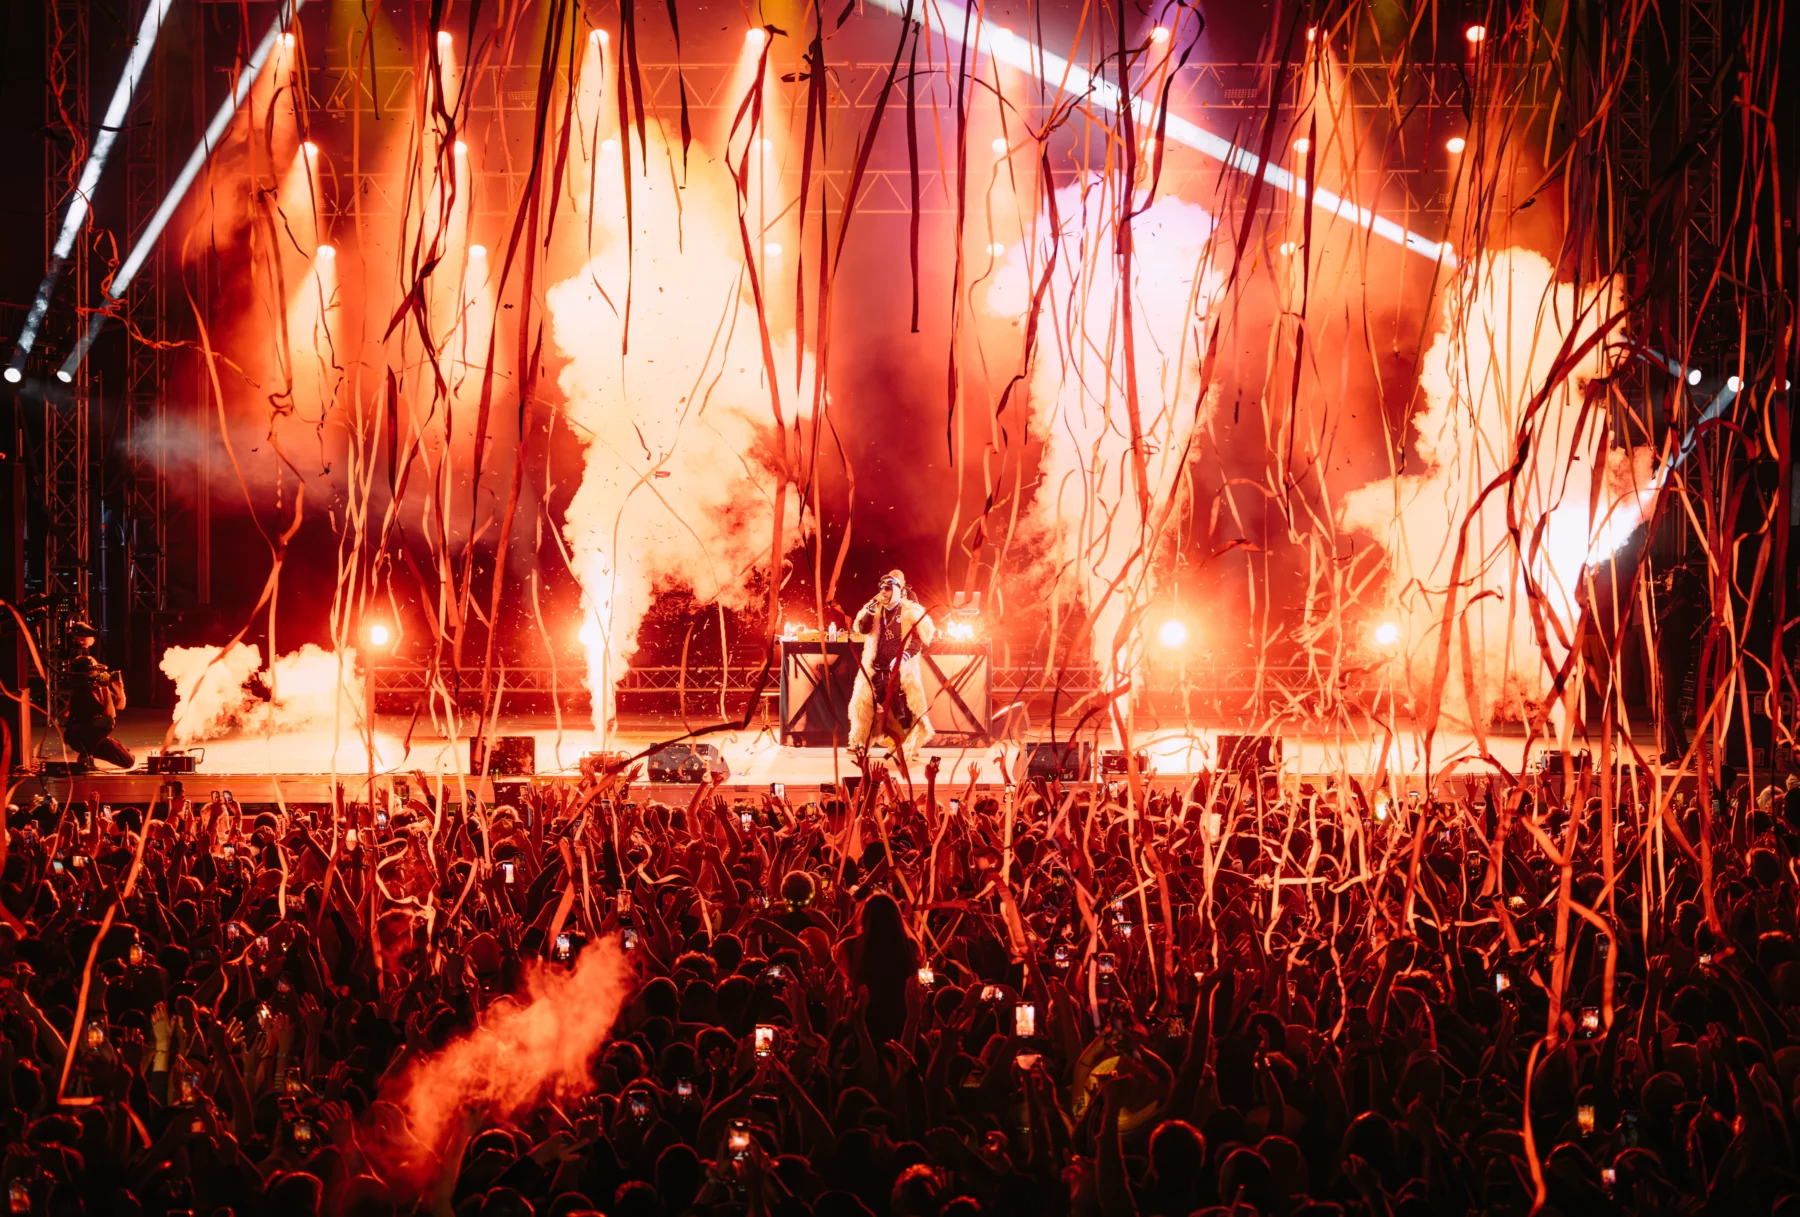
(890, 686)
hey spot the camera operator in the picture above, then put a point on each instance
(96, 695)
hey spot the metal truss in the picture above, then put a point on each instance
(1701, 69)
(1230, 98)
(146, 363)
(68, 537)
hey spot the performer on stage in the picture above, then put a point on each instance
(96, 695)
(890, 687)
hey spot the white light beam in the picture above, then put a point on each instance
(215, 131)
(81, 202)
(1053, 70)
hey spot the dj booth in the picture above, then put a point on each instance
(817, 679)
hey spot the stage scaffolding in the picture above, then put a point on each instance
(1228, 98)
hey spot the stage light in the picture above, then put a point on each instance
(378, 635)
(1288, 247)
(1693, 376)
(1387, 634)
(81, 199)
(327, 252)
(609, 145)
(1159, 35)
(310, 148)
(768, 146)
(1149, 148)
(461, 148)
(999, 146)
(1733, 383)
(1172, 634)
(998, 249)
(1312, 32)
(215, 132)
(1475, 33)
(14, 376)
(1302, 145)
(444, 39)
(477, 251)
(598, 37)
(756, 36)
(772, 249)
(1456, 143)
(959, 631)
(287, 40)
(1054, 72)
(589, 634)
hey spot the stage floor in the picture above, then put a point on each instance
(305, 766)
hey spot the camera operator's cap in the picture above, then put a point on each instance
(81, 629)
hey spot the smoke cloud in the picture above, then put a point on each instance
(1573, 501)
(1085, 513)
(534, 1046)
(308, 688)
(682, 455)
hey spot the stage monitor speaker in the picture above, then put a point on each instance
(689, 764)
(511, 756)
(1064, 762)
(1113, 764)
(600, 764)
(1249, 753)
(175, 760)
(1550, 762)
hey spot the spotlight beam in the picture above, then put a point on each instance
(1056, 72)
(215, 132)
(81, 202)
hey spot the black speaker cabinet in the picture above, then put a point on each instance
(1249, 753)
(1064, 762)
(512, 756)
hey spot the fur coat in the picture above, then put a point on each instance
(917, 630)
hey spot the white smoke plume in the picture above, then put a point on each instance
(1505, 320)
(1086, 508)
(682, 456)
(308, 688)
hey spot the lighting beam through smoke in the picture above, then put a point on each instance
(80, 203)
(215, 131)
(1056, 72)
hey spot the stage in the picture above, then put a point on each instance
(309, 767)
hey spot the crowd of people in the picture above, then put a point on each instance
(1239, 996)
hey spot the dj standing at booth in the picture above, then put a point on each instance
(890, 685)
